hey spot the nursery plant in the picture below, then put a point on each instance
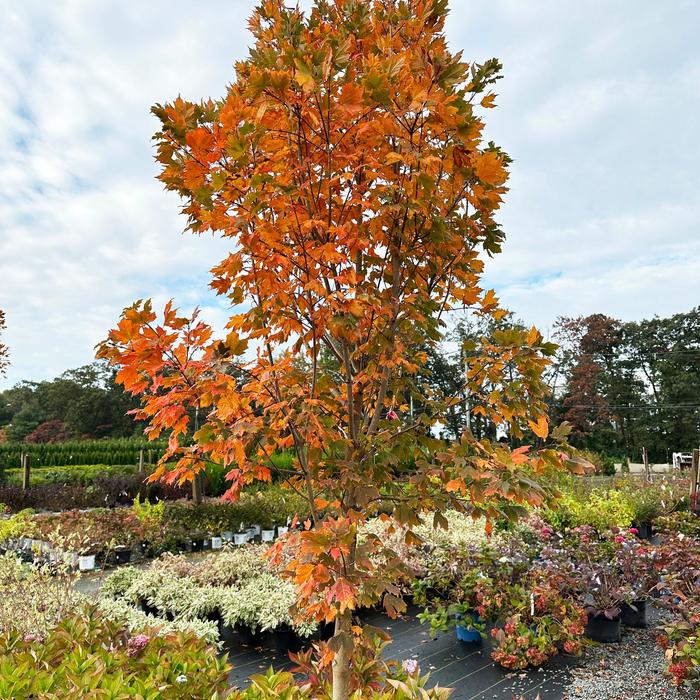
(73, 661)
(347, 168)
(34, 598)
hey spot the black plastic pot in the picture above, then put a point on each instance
(197, 545)
(634, 615)
(601, 629)
(122, 555)
(326, 630)
(646, 531)
(148, 609)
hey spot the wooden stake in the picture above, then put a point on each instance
(26, 464)
(647, 468)
(694, 479)
(197, 490)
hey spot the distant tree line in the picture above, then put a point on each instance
(4, 350)
(81, 403)
(628, 385)
(621, 385)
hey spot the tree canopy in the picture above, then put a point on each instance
(628, 385)
(83, 402)
(347, 168)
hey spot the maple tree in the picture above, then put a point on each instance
(4, 351)
(346, 167)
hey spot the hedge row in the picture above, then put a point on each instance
(81, 452)
(84, 475)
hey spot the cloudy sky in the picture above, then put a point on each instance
(599, 108)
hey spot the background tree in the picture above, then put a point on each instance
(625, 385)
(347, 169)
(4, 350)
(86, 400)
(49, 432)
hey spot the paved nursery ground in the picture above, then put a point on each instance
(631, 670)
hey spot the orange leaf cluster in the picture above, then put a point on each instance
(346, 168)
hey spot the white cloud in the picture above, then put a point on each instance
(598, 108)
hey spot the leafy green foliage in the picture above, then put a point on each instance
(81, 452)
(73, 661)
(86, 400)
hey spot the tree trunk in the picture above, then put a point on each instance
(197, 490)
(342, 645)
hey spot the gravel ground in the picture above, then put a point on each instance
(630, 670)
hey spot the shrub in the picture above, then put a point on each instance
(49, 432)
(604, 510)
(34, 599)
(73, 661)
(84, 475)
(683, 522)
(72, 452)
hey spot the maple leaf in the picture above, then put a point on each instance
(540, 428)
(489, 169)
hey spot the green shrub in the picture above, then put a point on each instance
(683, 522)
(72, 474)
(87, 655)
(608, 466)
(602, 509)
(81, 452)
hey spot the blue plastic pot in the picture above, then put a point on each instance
(467, 635)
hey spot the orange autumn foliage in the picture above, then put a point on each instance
(347, 168)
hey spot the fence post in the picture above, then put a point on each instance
(26, 465)
(142, 468)
(647, 468)
(694, 480)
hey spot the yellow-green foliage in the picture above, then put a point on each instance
(602, 509)
(605, 509)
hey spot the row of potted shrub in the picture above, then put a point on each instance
(234, 589)
(148, 529)
(540, 592)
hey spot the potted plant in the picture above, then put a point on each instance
(449, 594)
(240, 537)
(637, 563)
(196, 543)
(602, 592)
(267, 532)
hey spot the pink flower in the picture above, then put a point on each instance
(619, 539)
(392, 415)
(137, 644)
(33, 638)
(634, 531)
(410, 666)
